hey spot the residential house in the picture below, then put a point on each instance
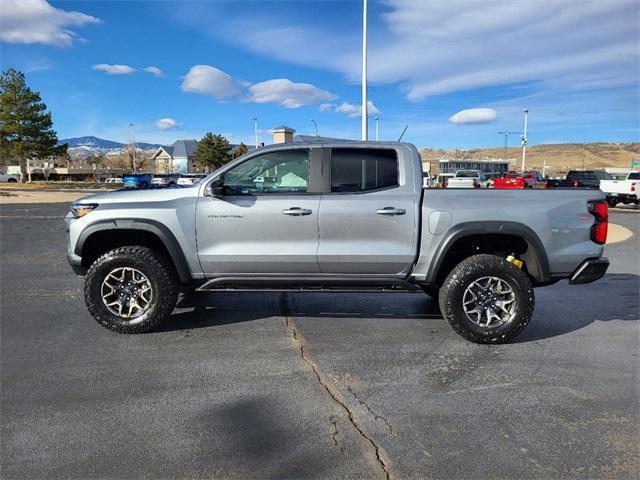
(181, 157)
(178, 158)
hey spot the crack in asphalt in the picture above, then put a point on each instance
(297, 339)
(372, 412)
(335, 432)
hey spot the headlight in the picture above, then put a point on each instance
(79, 210)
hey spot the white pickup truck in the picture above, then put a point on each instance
(622, 191)
(467, 179)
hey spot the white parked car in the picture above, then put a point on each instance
(165, 180)
(188, 179)
(7, 177)
(622, 191)
(467, 179)
(113, 180)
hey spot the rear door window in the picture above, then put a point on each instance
(363, 169)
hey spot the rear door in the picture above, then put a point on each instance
(368, 212)
(266, 218)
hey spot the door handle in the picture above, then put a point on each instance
(391, 211)
(297, 211)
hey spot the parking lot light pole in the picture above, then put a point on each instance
(524, 138)
(315, 125)
(365, 119)
(133, 145)
(377, 119)
(506, 136)
(255, 128)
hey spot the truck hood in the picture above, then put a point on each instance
(126, 196)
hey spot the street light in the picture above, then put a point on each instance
(365, 119)
(315, 125)
(377, 119)
(133, 144)
(524, 138)
(255, 128)
(506, 136)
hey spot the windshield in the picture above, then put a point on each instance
(602, 175)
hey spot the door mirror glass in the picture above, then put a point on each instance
(215, 187)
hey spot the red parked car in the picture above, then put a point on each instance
(515, 180)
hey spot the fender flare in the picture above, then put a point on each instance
(161, 231)
(535, 257)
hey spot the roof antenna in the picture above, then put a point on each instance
(402, 134)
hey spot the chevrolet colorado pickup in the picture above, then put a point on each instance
(333, 217)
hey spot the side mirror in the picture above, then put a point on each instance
(215, 187)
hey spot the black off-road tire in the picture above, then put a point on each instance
(612, 202)
(471, 269)
(431, 290)
(160, 273)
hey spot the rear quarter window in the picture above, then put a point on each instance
(363, 169)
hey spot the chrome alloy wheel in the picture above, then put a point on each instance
(126, 292)
(489, 302)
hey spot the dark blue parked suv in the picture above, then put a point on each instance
(137, 180)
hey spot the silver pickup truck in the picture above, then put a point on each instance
(333, 217)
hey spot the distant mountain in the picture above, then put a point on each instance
(85, 147)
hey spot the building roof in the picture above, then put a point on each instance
(184, 148)
(283, 128)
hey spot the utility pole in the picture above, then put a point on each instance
(524, 138)
(365, 118)
(506, 136)
(255, 128)
(133, 145)
(315, 125)
(377, 119)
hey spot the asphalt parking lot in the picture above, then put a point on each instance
(270, 385)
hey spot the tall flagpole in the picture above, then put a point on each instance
(365, 125)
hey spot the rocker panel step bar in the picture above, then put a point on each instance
(312, 284)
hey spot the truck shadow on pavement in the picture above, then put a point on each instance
(560, 309)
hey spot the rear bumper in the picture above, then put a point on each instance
(589, 271)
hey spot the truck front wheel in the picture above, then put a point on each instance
(131, 289)
(487, 299)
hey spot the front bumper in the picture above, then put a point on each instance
(589, 271)
(76, 264)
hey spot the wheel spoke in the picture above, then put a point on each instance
(489, 302)
(127, 293)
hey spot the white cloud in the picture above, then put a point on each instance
(356, 110)
(166, 124)
(154, 71)
(326, 107)
(114, 69)
(288, 94)
(435, 48)
(474, 116)
(208, 80)
(36, 21)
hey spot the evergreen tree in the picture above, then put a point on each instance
(25, 124)
(213, 151)
(240, 150)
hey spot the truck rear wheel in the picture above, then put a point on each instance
(612, 202)
(131, 289)
(487, 299)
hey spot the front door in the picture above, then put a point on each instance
(368, 213)
(266, 218)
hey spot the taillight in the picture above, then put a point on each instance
(633, 187)
(475, 183)
(600, 211)
(576, 184)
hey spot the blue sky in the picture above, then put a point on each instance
(214, 64)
